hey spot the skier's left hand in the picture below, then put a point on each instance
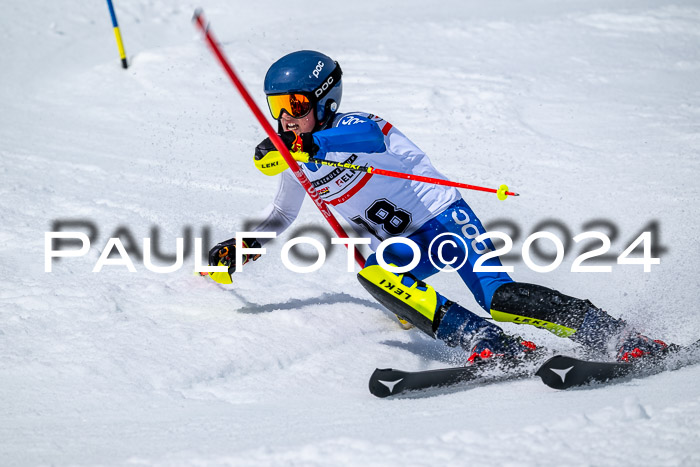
(302, 143)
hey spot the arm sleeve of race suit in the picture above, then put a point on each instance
(284, 207)
(351, 133)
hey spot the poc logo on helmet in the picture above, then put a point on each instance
(324, 87)
(319, 67)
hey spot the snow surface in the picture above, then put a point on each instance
(590, 109)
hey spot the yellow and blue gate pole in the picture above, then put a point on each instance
(117, 34)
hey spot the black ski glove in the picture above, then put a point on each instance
(225, 253)
(304, 143)
(263, 148)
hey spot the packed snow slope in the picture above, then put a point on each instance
(590, 109)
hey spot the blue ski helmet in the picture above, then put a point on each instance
(310, 73)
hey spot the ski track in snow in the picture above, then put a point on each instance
(591, 110)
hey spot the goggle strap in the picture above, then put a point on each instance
(336, 74)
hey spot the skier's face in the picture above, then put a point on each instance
(298, 125)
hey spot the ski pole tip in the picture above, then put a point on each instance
(198, 13)
(503, 192)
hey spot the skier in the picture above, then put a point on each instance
(304, 91)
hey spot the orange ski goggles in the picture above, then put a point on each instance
(295, 104)
(298, 104)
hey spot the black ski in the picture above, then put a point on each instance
(563, 372)
(389, 382)
(559, 372)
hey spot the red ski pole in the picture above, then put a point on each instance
(274, 137)
(502, 191)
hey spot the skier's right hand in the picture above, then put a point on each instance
(268, 159)
(263, 148)
(224, 254)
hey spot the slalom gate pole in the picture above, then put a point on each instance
(274, 137)
(117, 34)
(502, 191)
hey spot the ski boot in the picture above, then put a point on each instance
(636, 347)
(502, 348)
(483, 341)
